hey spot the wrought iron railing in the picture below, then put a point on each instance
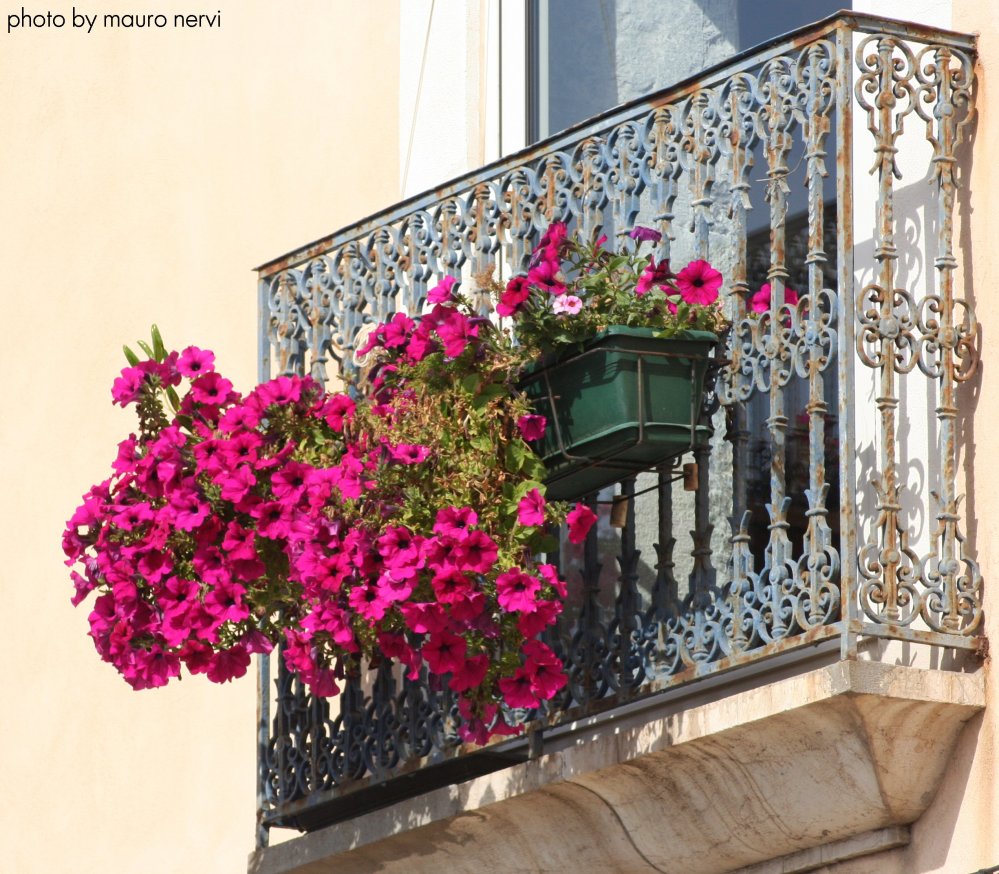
(804, 524)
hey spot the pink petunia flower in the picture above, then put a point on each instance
(760, 302)
(518, 691)
(518, 290)
(444, 652)
(545, 277)
(409, 453)
(229, 664)
(127, 387)
(532, 427)
(580, 520)
(643, 234)
(470, 673)
(443, 291)
(654, 276)
(699, 282)
(211, 389)
(194, 362)
(531, 509)
(455, 521)
(517, 591)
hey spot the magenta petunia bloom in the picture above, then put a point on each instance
(452, 587)
(532, 427)
(229, 664)
(476, 553)
(555, 236)
(547, 676)
(455, 521)
(338, 409)
(580, 520)
(516, 590)
(531, 509)
(545, 277)
(406, 453)
(643, 234)
(126, 388)
(444, 652)
(471, 672)
(653, 276)
(760, 302)
(194, 362)
(211, 389)
(396, 332)
(455, 332)
(518, 290)
(443, 291)
(518, 690)
(225, 602)
(699, 282)
(541, 617)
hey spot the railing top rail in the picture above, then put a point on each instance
(746, 60)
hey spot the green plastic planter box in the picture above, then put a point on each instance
(627, 402)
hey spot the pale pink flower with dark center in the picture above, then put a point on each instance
(699, 282)
(567, 304)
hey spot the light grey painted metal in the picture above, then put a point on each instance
(698, 158)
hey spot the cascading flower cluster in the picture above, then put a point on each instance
(403, 524)
(573, 289)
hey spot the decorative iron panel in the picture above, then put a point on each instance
(768, 553)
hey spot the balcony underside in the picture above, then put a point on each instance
(810, 760)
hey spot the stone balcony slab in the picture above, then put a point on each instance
(786, 766)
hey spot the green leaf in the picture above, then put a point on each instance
(158, 346)
(488, 394)
(173, 397)
(524, 487)
(483, 443)
(130, 356)
(471, 383)
(144, 346)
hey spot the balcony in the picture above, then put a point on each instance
(762, 638)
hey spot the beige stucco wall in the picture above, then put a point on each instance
(143, 175)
